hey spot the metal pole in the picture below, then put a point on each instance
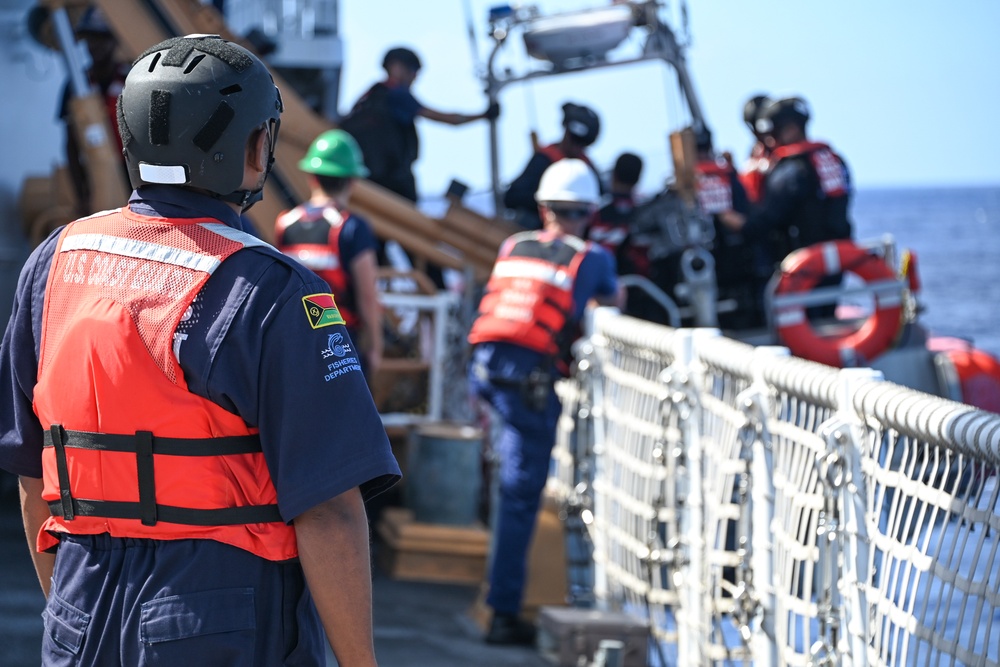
(762, 494)
(492, 93)
(77, 58)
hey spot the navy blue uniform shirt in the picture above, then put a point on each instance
(248, 346)
(403, 106)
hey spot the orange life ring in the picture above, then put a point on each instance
(802, 271)
(975, 372)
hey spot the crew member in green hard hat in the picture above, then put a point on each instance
(339, 246)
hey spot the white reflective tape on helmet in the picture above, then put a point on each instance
(577, 128)
(163, 173)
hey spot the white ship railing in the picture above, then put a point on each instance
(759, 508)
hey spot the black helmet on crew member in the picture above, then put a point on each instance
(581, 123)
(752, 110)
(189, 107)
(786, 111)
(403, 56)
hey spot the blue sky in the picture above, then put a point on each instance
(907, 90)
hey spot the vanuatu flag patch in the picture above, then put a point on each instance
(321, 310)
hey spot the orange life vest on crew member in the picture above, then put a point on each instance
(529, 296)
(713, 184)
(827, 164)
(129, 450)
(315, 243)
(554, 153)
(755, 171)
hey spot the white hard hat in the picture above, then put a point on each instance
(569, 180)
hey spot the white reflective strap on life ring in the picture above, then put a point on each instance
(788, 318)
(831, 259)
(888, 300)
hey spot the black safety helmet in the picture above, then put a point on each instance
(752, 109)
(402, 55)
(188, 108)
(786, 111)
(92, 21)
(628, 168)
(581, 122)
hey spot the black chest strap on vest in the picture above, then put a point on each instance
(145, 445)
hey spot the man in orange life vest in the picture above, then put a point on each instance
(610, 227)
(540, 285)
(756, 167)
(193, 435)
(339, 246)
(806, 192)
(582, 127)
(741, 268)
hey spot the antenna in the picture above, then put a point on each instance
(471, 31)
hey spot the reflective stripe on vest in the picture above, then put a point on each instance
(714, 186)
(529, 296)
(828, 166)
(130, 451)
(319, 250)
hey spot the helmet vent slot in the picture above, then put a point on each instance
(229, 90)
(159, 118)
(194, 63)
(153, 62)
(215, 127)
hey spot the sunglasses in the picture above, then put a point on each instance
(571, 212)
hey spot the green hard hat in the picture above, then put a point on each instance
(334, 153)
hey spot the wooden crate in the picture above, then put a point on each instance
(430, 552)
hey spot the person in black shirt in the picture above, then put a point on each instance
(806, 192)
(582, 125)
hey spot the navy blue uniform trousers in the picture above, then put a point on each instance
(524, 449)
(138, 602)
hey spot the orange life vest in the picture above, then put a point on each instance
(129, 450)
(754, 172)
(317, 247)
(554, 153)
(827, 164)
(714, 186)
(529, 296)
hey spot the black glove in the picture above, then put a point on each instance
(492, 112)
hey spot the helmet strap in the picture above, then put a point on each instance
(247, 198)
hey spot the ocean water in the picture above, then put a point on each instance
(955, 234)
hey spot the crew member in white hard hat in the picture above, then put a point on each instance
(528, 318)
